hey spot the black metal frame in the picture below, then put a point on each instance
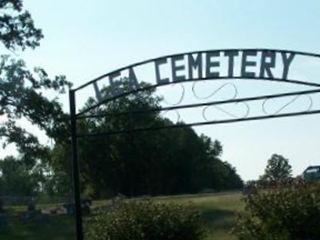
(75, 116)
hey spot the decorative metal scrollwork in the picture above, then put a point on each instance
(175, 111)
(237, 102)
(216, 91)
(245, 115)
(181, 97)
(293, 100)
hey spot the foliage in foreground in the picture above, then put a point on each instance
(285, 212)
(145, 220)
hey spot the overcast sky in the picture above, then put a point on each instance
(84, 39)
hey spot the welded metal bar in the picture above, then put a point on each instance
(102, 134)
(196, 79)
(75, 115)
(196, 52)
(248, 99)
(75, 166)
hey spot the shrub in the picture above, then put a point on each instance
(284, 212)
(145, 220)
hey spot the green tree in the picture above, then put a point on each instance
(22, 91)
(277, 169)
(17, 179)
(167, 161)
(216, 174)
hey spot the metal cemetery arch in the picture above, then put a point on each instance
(194, 67)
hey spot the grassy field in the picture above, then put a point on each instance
(218, 211)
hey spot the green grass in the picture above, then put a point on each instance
(57, 228)
(217, 210)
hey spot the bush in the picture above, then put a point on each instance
(284, 212)
(145, 220)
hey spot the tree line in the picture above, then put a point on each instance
(169, 161)
(162, 162)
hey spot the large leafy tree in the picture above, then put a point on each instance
(23, 98)
(277, 169)
(22, 91)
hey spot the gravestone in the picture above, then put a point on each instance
(31, 206)
(3, 215)
(1, 206)
(3, 220)
(31, 212)
(85, 205)
(70, 208)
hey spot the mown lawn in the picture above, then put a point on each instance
(218, 211)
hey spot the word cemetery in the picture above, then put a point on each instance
(207, 65)
(251, 64)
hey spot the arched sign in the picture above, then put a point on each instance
(229, 65)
